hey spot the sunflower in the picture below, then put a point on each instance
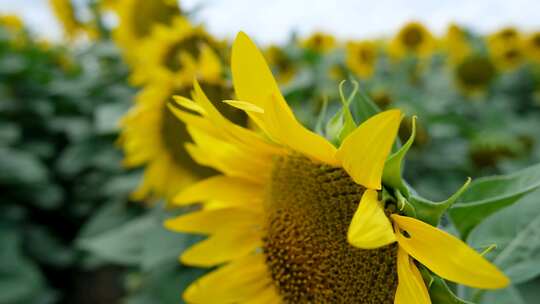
(178, 52)
(288, 196)
(281, 64)
(474, 73)
(136, 20)
(413, 39)
(11, 22)
(456, 43)
(532, 47)
(64, 12)
(361, 57)
(506, 48)
(320, 42)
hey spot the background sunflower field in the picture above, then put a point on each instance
(90, 157)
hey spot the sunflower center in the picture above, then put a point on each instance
(412, 37)
(476, 71)
(366, 55)
(309, 209)
(190, 45)
(155, 12)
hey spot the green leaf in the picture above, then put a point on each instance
(487, 195)
(515, 233)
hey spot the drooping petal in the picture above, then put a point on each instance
(411, 287)
(254, 83)
(370, 228)
(224, 246)
(214, 220)
(236, 282)
(363, 153)
(447, 256)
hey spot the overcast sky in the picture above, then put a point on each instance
(272, 21)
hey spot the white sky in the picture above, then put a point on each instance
(272, 20)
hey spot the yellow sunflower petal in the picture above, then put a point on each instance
(227, 245)
(254, 83)
(363, 153)
(447, 256)
(236, 282)
(411, 287)
(213, 221)
(244, 105)
(370, 228)
(236, 191)
(267, 296)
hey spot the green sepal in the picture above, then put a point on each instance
(439, 292)
(342, 123)
(431, 212)
(393, 168)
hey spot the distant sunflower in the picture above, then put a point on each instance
(532, 47)
(288, 196)
(506, 48)
(456, 43)
(282, 66)
(136, 21)
(413, 39)
(475, 73)
(11, 22)
(320, 42)
(178, 52)
(64, 12)
(361, 58)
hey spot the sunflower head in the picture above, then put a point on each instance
(475, 73)
(320, 42)
(506, 47)
(456, 43)
(302, 220)
(413, 39)
(134, 26)
(178, 53)
(361, 57)
(11, 22)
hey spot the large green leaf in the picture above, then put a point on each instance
(515, 232)
(488, 195)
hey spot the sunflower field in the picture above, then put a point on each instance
(144, 160)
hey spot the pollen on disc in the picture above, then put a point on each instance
(309, 209)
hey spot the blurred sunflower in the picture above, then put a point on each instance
(281, 64)
(361, 58)
(11, 22)
(178, 52)
(136, 20)
(456, 43)
(412, 39)
(320, 42)
(532, 47)
(151, 136)
(288, 197)
(506, 48)
(64, 12)
(474, 73)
